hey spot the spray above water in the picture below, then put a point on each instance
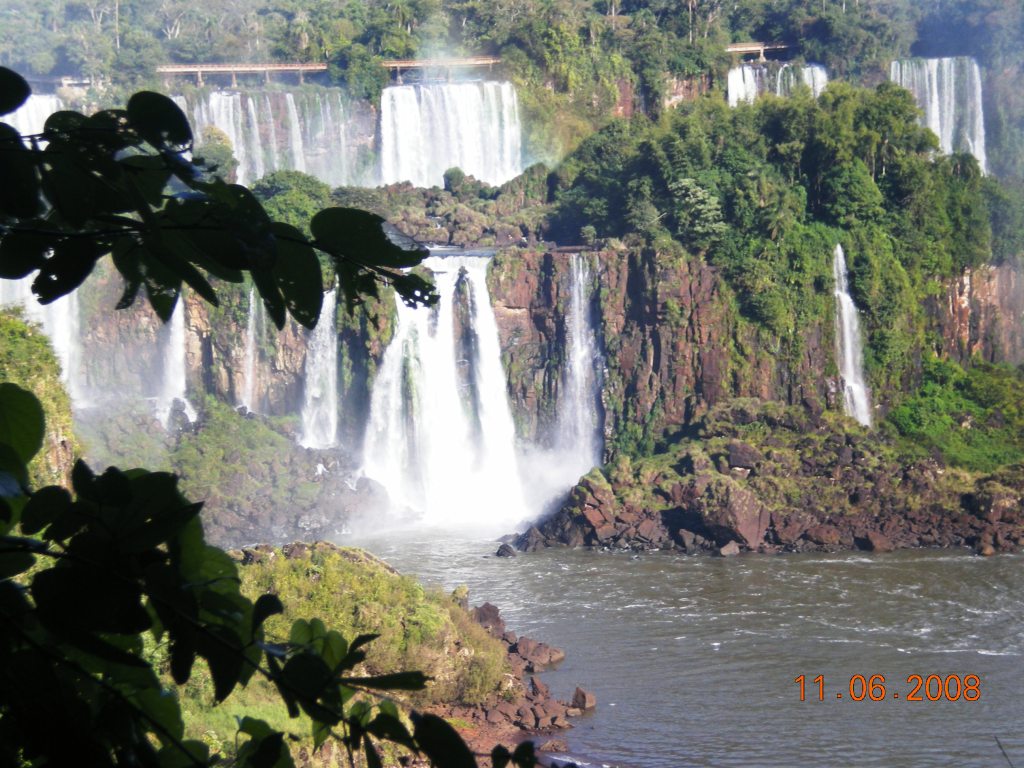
(440, 437)
(849, 349)
(173, 382)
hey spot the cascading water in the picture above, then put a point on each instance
(948, 91)
(320, 399)
(579, 436)
(31, 116)
(280, 130)
(814, 76)
(61, 323)
(849, 349)
(440, 436)
(746, 82)
(173, 383)
(254, 329)
(427, 129)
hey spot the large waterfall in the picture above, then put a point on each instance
(948, 91)
(440, 436)
(173, 383)
(427, 129)
(60, 321)
(579, 434)
(272, 130)
(320, 400)
(814, 76)
(849, 348)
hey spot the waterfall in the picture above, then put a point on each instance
(427, 129)
(281, 130)
(254, 329)
(814, 76)
(173, 384)
(60, 321)
(746, 82)
(579, 426)
(320, 399)
(30, 117)
(948, 91)
(849, 349)
(440, 436)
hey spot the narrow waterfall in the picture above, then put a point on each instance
(580, 440)
(427, 129)
(814, 76)
(31, 116)
(60, 321)
(849, 349)
(173, 384)
(320, 399)
(279, 130)
(254, 329)
(745, 83)
(440, 436)
(948, 91)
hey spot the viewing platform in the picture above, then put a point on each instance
(397, 66)
(234, 70)
(752, 48)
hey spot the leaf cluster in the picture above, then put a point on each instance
(86, 576)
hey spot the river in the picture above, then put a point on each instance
(694, 659)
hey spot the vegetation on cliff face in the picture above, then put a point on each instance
(27, 359)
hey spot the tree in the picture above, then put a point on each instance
(86, 577)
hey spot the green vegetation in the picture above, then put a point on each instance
(27, 359)
(972, 419)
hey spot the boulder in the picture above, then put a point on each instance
(729, 550)
(583, 700)
(731, 512)
(505, 551)
(743, 456)
(878, 542)
(488, 617)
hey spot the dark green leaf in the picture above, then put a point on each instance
(277, 676)
(22, 423)
(13, 563)
(13, 473)
(524, 755)
(222, 649)
(19, 192)
(265, 607)
(162, 707)
(159, 121)
(78, 599)
(159, 530)
(372, 758)
(14, 91)
(44, 507)
(398, 681)
(500, 757)
(195, 753)
(307, 676)
(23, 252)
(360, 236)
(72, 261)
(82, 479)
(63, 124)
(440, 742)
(414, 290)
(271, 295)
(390, 728)
(298, 274)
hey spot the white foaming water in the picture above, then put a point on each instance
(61, 322)
(445, 452)
(427, 129)
(579, 424)
(253, 329)
(745, 83)
(948, 91)
(173, 384)
(313, 137)
(814, 76)
(849, 350)
(320, 399)
(31, 116)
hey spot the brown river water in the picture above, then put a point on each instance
(694, 659)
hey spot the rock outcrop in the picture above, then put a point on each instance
(808, 485)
